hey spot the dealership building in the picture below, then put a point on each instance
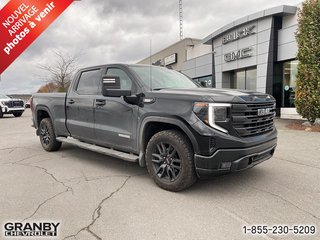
(256, 52)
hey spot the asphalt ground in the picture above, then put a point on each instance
(97, 197)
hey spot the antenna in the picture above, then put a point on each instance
(181, 19)
(151, 65)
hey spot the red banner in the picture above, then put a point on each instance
(21, 22)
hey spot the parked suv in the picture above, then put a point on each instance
(161, 119)
(11, 106)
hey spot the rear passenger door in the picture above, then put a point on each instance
(80, 105)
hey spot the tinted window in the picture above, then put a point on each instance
(89, 82)
(125, 81)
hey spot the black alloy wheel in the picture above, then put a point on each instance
(47, 136)
(166, 161)
(169, 160)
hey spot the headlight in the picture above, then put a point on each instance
(212, 113)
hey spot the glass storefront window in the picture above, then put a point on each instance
(290, 70)
(204, 81)
(251, 79)
(239, 80)
(244, 79)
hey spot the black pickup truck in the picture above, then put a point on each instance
(161, 119)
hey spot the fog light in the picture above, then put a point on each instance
(225, 165)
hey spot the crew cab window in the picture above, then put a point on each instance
(89, 82)
(125, 81)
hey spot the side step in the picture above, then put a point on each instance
(106, 151)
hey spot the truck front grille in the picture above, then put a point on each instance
(17, 103)
(8, 104)
(13, 104)
(253, 119)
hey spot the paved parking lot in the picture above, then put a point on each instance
(97, 197)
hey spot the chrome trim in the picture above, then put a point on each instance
(124, 136)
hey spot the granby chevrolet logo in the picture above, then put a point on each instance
(35, 229)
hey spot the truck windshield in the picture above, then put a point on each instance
(162, 78)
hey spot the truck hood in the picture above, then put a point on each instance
(9, 99)
(216, 95)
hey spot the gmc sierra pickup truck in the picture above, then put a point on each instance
(11, 106)
(161, 119)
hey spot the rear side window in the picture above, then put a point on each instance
(89, 82)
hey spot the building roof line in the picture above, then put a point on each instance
(185, 39)
(281, 10)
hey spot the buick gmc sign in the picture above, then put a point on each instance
(242, 33)
(239, 54)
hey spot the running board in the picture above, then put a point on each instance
(106, 151)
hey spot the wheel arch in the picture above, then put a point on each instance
(153, 125)
(41, 112)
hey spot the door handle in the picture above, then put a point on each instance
(100, 102)
(71, 101)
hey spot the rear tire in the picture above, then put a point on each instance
(47, 136)
(169, 160)
(1, 113)
(17, 114)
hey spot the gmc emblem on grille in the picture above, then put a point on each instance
(264, 111)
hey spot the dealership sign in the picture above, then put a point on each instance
(240, 54)
(171, 59)
(242, 33)
(21, 22)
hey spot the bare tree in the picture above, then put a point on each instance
(48, 88)
(61, 71)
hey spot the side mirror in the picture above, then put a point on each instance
(111, 87)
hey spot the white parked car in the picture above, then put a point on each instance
(11, 106)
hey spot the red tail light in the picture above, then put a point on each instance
(31, 104)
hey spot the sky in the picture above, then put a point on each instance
(119, 31)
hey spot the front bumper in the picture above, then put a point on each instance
(7, 110)
(232, 160)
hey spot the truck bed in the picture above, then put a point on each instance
(55, 102)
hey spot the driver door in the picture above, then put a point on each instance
(115, 120)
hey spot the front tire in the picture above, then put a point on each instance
(169, 159)
(47, 136)
(1, 113)
(17, 114)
